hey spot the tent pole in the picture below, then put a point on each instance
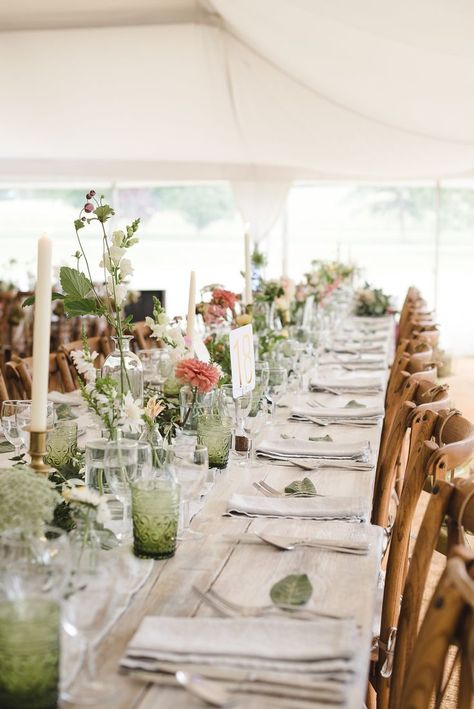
(437, 242)
(284, 240)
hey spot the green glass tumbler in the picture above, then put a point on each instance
(155, 516)
(215, 433)
(29, 653)
(61, 443)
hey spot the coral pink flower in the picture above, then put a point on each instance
(225, 298)
(197, 374)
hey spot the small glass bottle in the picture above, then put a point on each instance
(125, 367)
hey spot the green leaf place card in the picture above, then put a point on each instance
(353, 404)
(302, 488)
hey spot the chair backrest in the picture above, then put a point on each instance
(454, 501)
(453, 446)
(69, 374)
(141, 333)
(449, 620)
(14, 382)
(21, 374)
(415, 397)
(4, 393)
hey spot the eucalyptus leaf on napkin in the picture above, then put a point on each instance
(286, 436)
(293, 590)
(353, 404)
(327, 438)
(302, 488)
(6, 447)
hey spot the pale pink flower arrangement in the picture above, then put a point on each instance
(200, 375)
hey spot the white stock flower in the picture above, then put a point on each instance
(157, 330)
(116, 253)
(117, 291)
(126, 268)
(118, 237)
(106, 263)
(84, 364)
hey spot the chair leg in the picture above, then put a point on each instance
(371, 698)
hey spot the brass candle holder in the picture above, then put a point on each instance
(38, 451)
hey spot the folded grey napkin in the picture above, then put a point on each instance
(344, 508)
(298, 448)
(73, 398)
(338, 412)
(348, 382)
(253, 643)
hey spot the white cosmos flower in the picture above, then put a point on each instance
(126, 268)
(132, 413)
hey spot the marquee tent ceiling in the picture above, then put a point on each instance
(237, 89)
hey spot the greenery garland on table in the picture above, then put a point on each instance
(372, 302)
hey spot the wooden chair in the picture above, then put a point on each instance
(453, 446)
(141, 333)
(21, 373)
(416, 396)
(14, 382)
(449, 620)
(69, 374)
(454, 501)
(4, 393)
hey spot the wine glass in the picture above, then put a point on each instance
(9, 423)
(162, 366)
(190, 465)
(120, 467)
(23, 419)
(87, 611)
(277, 386)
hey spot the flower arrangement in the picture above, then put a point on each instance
(219, 351)
(269, 291)
(27, 500)
(86, 504)
(221, 308)
(111, 408)
(166, 331)
(372, 302)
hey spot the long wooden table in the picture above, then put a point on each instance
(343, 583)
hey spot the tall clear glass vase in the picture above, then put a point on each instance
(125, 367)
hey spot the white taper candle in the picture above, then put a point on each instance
(248, 270)
(41, 336)
(191, 310)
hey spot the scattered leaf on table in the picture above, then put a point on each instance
(301, 488)
(6, 447)
(64, 412)
(353, 404)
(327, 438)
(286, 436)
(293, 590)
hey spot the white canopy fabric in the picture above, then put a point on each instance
(245, 90)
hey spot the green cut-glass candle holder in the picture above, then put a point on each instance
(215, 432)
(155, 516)
(29, 653)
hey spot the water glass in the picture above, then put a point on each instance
(144, 460)
(95, 475)
(277, 386)
(23, 419)
(9, 423)
(120, 467)
(155, 515)
(190, 465)
(215, 433)
(29, 653)
(61, 443)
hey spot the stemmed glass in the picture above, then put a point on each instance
(9, 423)
(254, 424)
(120, 467)
(87, 611)
(190, 465)
(23, 419)
(277, 386)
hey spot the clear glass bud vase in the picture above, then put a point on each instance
(125, 367)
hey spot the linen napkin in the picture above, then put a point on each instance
(73, 398)
(248, 643)
(298, 448)
(344, 508)
(348, 383)
(346, 413)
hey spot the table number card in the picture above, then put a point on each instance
(242, 360)
(200, 349)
